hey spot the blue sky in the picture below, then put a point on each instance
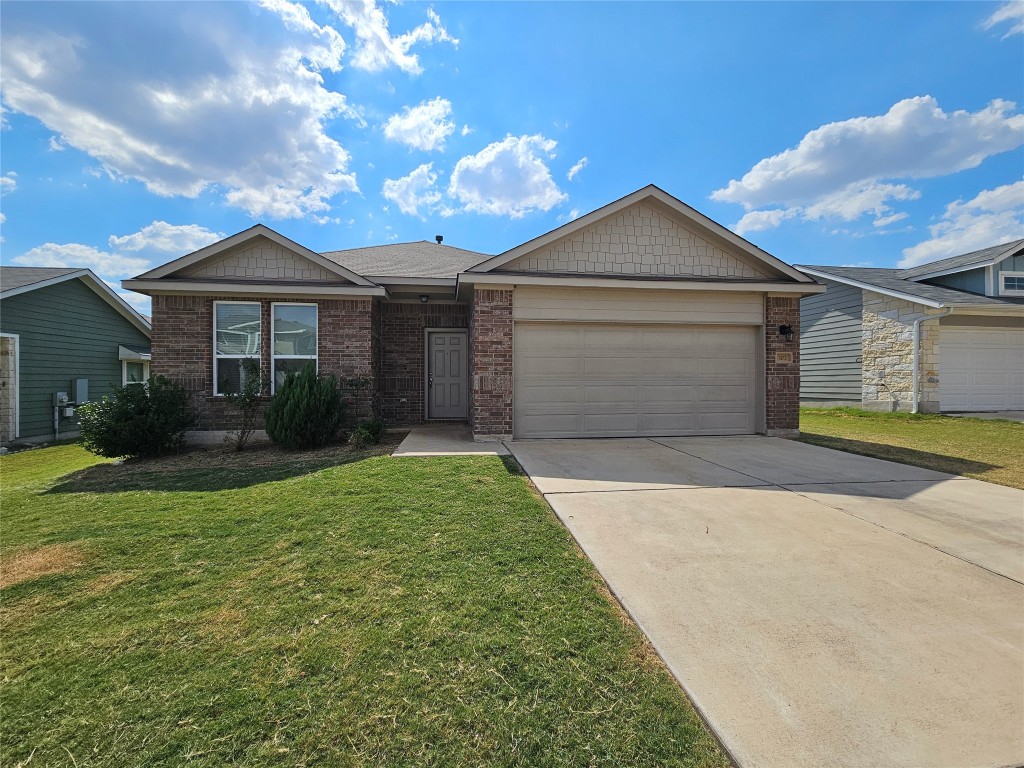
(874, 134)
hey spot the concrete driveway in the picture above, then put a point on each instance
(819, 608)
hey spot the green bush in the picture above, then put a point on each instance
(248, 402)
(366, 433)
(137, 420)
(307, 410)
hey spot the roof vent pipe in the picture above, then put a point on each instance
(439, 238)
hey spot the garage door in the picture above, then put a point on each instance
(595, 380)
(981, 369)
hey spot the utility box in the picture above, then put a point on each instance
(60, 399)
(80, 390)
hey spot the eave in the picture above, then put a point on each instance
(170, 286)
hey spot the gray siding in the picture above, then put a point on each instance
(830, 339)
(66, 332)
(973, 280)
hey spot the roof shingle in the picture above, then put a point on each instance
(419, 259)
(19, 277)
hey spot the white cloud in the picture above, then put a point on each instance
(755, 221)
(1011, 13)
(887, 220)
(994, 216)
(466, 130)
(423, 127)
(580, 165)
(375, 48)
(82, 256)
(57, 144)
(507, 178)
(415, 191)
(243, 114)
(166, 238)
(836, 170)
(8, 183)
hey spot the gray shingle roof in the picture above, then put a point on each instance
(893, 280)
(419, 259)
(965, 260)
(19, 277)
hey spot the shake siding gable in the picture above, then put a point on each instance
(66, 332)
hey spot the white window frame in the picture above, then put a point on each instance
(124, 372)
(274, 357)
(259, 353)
(1003, 290)
(17, 381)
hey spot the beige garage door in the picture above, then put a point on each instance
(595, 380)
(981, 369)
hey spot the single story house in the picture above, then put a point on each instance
(62, 330)
(943, 336)
(644, 317)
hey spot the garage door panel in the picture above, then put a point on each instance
(668, 367)
(981, 369)
(604, 380)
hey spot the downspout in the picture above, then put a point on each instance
(916, 397)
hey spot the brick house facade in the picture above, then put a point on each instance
(388, 318)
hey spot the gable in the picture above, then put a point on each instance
(259, 258)
(639, 240)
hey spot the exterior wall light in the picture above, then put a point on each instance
(786, 331)
(424, 298)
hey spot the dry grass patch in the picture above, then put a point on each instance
(41, 561)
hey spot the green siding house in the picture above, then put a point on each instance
(59, 326)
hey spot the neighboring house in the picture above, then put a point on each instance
(641, 318)
(944, 336)
(57, 326)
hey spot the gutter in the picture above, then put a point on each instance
(916, 397)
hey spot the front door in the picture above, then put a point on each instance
(447, 375)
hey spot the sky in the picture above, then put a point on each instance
(869, 134)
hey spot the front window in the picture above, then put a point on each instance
(236, 338)
(1011, 283)
(294, 335)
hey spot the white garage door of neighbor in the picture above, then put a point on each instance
(981, 369)
(593, 380)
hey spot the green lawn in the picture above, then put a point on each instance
(324, 609)
(991, 450)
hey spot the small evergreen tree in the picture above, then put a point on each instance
(137, 420)
(248, 402)
(306, 412)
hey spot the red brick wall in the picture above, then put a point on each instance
(491, 363)
(182, 345)
(782, 380)
(401, 380)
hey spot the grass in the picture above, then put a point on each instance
(343, 609)
(991, 450)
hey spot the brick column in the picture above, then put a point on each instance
(782, 379)
(490, 332)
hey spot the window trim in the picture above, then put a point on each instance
(259, 354)
(124, 372)
(273, 323)
(1003, 290)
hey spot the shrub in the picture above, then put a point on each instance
(248, 402)
(137, 420)
(366, 433)
(307, 410)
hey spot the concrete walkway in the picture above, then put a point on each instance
(446, 440)
(820, 608)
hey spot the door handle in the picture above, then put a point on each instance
(430, 381)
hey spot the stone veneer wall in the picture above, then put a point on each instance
(9, 390)
(782, 380)
(490, 364)
(182, 348)
(638, 241)
(887, 352)
(403, 355)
